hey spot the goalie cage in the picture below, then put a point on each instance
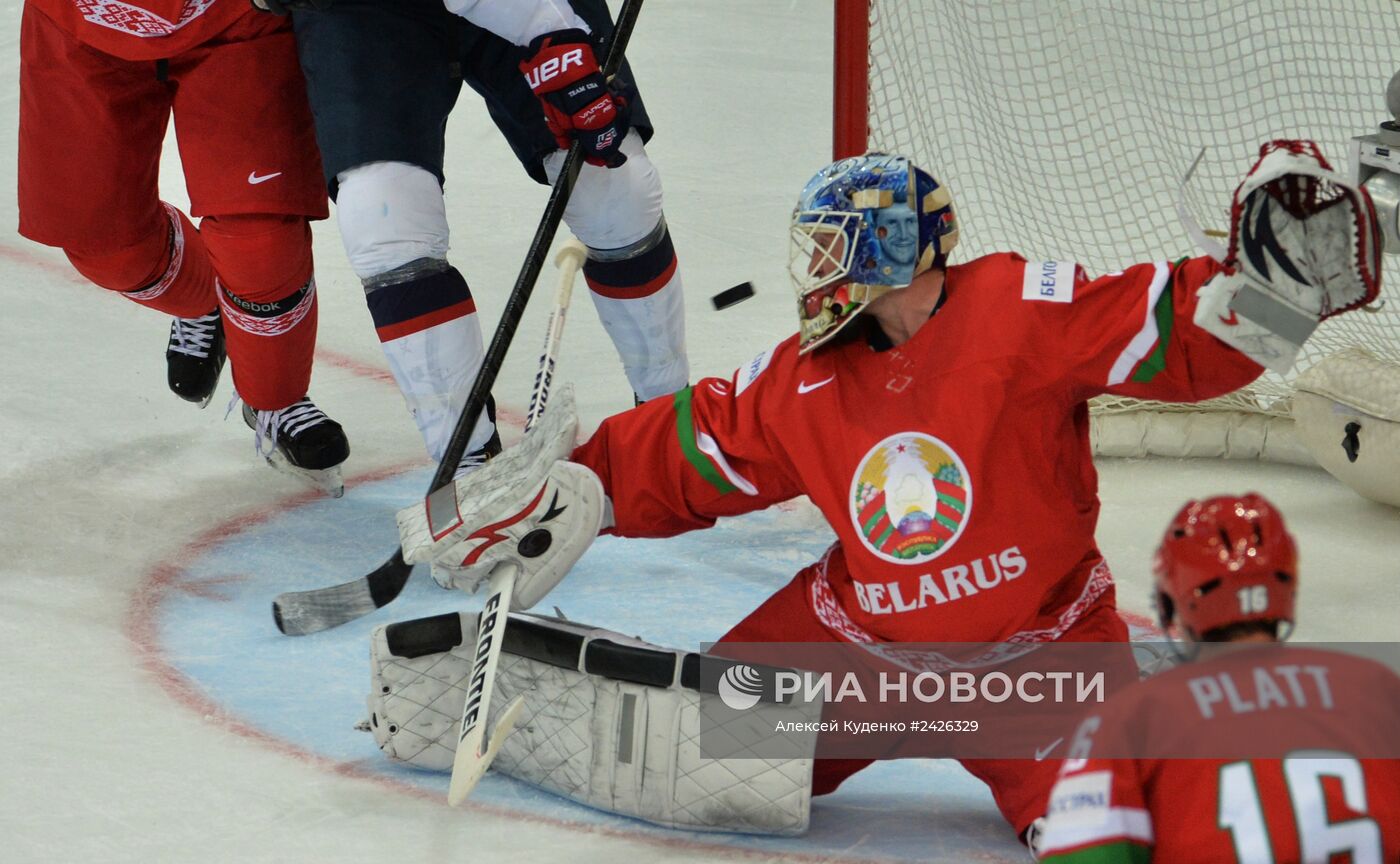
(1064, 129)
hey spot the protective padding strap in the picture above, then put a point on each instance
(1273, 314)
(610, 721)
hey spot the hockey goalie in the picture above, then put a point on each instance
(934, 413)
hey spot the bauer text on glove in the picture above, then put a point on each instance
(563, 72)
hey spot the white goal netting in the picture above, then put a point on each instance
(1064, 127)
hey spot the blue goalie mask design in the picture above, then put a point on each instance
(863, 226)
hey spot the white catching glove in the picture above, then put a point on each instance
(529, 508)
(1304, 245)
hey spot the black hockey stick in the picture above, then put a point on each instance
(298, 613)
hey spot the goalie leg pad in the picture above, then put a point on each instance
(624, 737)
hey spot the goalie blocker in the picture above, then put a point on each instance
(609, 721)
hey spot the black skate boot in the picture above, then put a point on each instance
(475, 459)
(492, 448)
(302, 441)
(195, 357)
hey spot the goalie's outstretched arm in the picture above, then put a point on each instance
(1304, 246)
(678, 463)
(1133, 334)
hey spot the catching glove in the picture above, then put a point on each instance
(1304, 246)
(528, 507)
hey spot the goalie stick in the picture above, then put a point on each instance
(298, 613)
(474, 755)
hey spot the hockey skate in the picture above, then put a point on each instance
(302, 441)
(477, 458)
(194, 357)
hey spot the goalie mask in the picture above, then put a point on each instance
(1223, 561)
(862, 227)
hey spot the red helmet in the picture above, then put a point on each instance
(1223, 561)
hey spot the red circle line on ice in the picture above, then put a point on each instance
(165, 578)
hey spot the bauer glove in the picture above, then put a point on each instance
(578, 104)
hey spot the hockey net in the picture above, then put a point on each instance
(1065, 127)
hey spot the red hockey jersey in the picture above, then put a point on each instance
(1322, 807)
(955, 469)
(144, 29)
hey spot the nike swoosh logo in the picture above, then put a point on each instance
(1042, 752)
(804, 387)
(254, 179)
(1232, 321)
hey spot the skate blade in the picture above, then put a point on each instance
(328, 481)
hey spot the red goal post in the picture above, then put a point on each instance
(851, 79)
(1064, 128)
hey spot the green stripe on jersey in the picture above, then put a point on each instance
(1119, 852)
(1165, 316)
(685, 433)
(957, 505)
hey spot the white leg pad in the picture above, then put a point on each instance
(390, 213)
(616, 745)
(612, 208)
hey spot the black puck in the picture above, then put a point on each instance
(738, 294)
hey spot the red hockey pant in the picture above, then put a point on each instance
(91, 130)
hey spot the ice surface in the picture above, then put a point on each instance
(154, 713)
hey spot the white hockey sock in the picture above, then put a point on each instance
(640, 304)
(431, 337)
(394, 225)
(631, 267)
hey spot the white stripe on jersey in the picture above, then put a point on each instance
(1141, 344)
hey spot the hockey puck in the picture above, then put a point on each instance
(738, 294)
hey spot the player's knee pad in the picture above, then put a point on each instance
(390, 213)
(622, 736)
(139, 265)
(613, 208)
(259, 257)
(267, 297)
(168, 269)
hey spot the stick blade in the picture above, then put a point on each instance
(299, 613)
(468, 766)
